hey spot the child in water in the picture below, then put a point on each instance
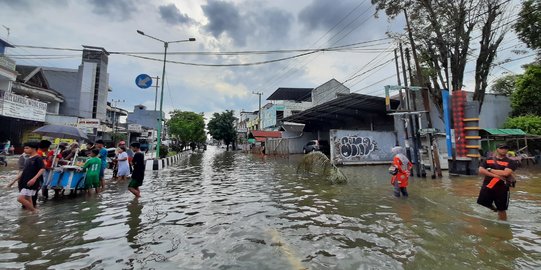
(401, 171)
(92, 168)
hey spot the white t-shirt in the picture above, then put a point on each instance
(123, 164)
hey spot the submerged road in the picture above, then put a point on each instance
(226, 210)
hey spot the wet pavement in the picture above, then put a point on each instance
(225, 210)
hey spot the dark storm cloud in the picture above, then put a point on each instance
(263, 24)
(172, 15)
(117, 10)
(323, 14)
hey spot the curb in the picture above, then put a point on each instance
(158, 164)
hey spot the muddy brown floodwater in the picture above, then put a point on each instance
(229, 210)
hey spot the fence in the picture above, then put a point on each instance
(277, 146)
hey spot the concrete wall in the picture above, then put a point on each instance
(351, 147)
(328, 91)
(268, 116)
(66, 82)
(87, 75)
(296, 142)
(495, 111)
(290, 106)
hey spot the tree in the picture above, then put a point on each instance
(222, 127)
(530, 124)
(440, 33)
(527, 96)
(505, 85)
(187, 127)
(528, 26)
(117, 137)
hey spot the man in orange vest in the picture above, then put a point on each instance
(498, 171)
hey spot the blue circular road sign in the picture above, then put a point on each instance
(143, 81)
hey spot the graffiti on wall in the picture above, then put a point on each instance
(354, 146)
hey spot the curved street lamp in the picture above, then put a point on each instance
(160, 119)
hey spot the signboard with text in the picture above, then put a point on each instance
(135, 128)
(16, 106)
(88, 125)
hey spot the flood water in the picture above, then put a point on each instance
(225, 210)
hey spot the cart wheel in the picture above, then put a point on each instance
(77, 188)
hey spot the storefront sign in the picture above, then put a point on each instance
(21, 107)
(135, 128)
(88, 125)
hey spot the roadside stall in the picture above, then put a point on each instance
(517, 138)
(65, 177)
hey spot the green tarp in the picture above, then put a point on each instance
(505, 131)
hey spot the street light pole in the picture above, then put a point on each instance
(160, 119)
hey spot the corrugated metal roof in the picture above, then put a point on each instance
(505, 131)
(296, 94)
(351, 105)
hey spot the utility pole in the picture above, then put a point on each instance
(415, 126)
(259, 112)
(398, 77)
(156, 96)
(408, 151)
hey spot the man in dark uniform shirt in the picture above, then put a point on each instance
(494, 192)
(138, 173)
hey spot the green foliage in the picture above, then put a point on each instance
(187, 126)
(527, 96)
(505, 85)
(528, 26)
(117, 137)
(530, 124)
(164, 151)
(443, 34)
(222, 127)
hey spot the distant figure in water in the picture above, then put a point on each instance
(400, 171)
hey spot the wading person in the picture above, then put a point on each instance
(92, 168)
(138, 173)
(47, 156)
(103, 156)
(31, 176)
(498, 171)
(122, 163)
(401, 171)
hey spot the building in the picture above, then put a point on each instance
(284, 102)
(146, 118)
(31, 82)
(7, 68)
(24, 98)
(356, 127)
(85, 89)
(328, 91)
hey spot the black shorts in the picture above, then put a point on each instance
(135, 182)
(499, 195)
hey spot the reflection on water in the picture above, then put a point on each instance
(225, 210)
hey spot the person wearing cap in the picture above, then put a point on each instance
(498, 171)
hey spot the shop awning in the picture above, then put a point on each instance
(505, 131)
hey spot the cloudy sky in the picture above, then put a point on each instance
(219, 26)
